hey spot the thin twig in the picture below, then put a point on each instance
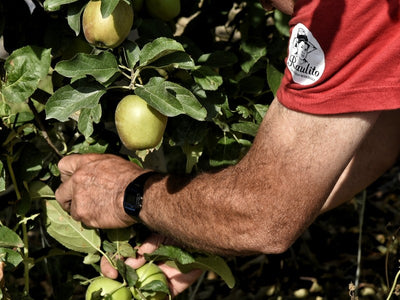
(42, 128)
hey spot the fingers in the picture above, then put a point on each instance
(69, 164)
(107, 269)
(64, 194)
(149, 246)
(178, 281)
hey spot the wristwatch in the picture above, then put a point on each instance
(133, 197)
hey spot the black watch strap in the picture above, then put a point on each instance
(133, 197)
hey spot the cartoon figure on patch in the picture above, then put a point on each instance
(302, 46)
(306, 60)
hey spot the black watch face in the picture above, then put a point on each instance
(132, 200)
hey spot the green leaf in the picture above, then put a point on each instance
(39, 190)
(274, 77)
(218, 59)
(254, 50)
(207, 78)
(25, 67)
(74, 16)
(171, 99)
(53, 5)
(245, 127)
(282, 22)
(129, 274)
(102, 66)
(69, 232)
(9, 238)
(155, 286)
(91, 258)
(107, 7)
(193, 154)
(119, 234)
(72, 98)
(167, 252)
(217, 265)
(132, 53)
(177, 60)
(158, 48)
(187, 261)
(87, 117)
(191, 106)
(11, 257)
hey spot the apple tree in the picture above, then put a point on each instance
(207, 69)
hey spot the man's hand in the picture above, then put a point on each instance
(93, 188)
(177, 281)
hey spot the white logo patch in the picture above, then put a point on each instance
(306, 60)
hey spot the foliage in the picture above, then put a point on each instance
(206, 70)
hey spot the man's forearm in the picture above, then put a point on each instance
(268, 199)
(211, 212)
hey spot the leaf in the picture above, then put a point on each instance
(156, 286)
(25, 67)
(69, 232)
(39, 190)
(167, 252)
(72, 98)
(107, 7)
(187, 261)
(9, 238)
(178, 60)
(254, 50)
(119, 234)
(74, 16)
(158, 48)
(193, 154)
(87, 117)
(207, 78)
(217, 265)
(191, 106)
(218, 59)
(53, 5)
(282, 22)
(171, 99)
(91, 258)
(102, 66)
(129, 274)
(245, 127)
(132, 53)
(274, 77)
(11, 257)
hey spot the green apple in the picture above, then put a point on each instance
(164, 9)
(106, 286)
(139, 125)
(107, 32)
(148, 273)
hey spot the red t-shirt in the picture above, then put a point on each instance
(343, 56)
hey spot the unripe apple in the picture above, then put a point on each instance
(148, 273)
(108, 286)
(139, 125)
(164, 9)
(107, 32)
